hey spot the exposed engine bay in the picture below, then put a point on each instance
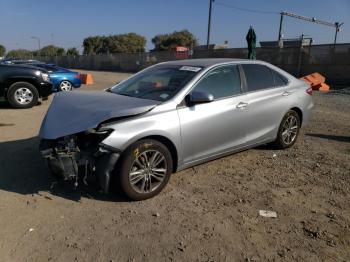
(75, 157)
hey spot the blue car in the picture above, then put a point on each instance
(61, 78)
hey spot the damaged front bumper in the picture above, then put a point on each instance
(69, 161)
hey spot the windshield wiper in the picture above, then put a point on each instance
(109, 90)
(124, 94)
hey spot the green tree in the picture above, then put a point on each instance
(2, 50)
(123, 43)
(50, 50)
(170, 41)
(72, 52)
(94, 45)
(60, 51)
(19, 53)
(126, 43)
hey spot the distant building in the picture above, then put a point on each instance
(182, 52)
(294, 42)
(212, 46)
(203, 47)
(222, 46)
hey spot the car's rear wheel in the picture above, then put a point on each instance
(22, 95)
(65, 85)
(288, 130)
(145, 169)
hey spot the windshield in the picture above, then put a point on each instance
(158, 83)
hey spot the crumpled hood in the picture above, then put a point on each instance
(77, 111)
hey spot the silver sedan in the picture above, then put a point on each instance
(169, 117)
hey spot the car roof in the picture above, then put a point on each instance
(28, 66)
(207, 62)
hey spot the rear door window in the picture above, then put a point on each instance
(221, 82)
(258, 77)
(279, 79)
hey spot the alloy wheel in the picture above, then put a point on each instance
(148, 171)
(290, 129)
(66, 86)
(23, 96)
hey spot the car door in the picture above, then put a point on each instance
(268, 101)
(216, 127)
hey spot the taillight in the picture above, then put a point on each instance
(77, 76)
(309, 91)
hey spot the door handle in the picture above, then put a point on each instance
(242, 105)
(287, 93)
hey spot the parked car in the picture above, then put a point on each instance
(22, 86)
(169, 117)
(61, 78)
(12, 61)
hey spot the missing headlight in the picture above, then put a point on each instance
(62, 157)
(80, 155)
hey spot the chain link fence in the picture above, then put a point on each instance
(329, 60)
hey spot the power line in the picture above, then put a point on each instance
(246, 9)
(336, 25)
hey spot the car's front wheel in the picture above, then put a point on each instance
(65, 85)
(288, 130)
(22, 95)
(145, 169)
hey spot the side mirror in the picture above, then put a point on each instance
(200, 97)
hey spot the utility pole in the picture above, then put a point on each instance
(209, 22)
(300, 57)
(337, 29)
(280, 31)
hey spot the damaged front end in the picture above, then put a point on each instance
(73, 131)
(79, 156)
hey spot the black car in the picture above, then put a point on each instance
(10, 61)
(23, 85)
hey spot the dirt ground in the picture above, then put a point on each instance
(206, 213)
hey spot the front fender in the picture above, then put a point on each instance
(127, 132)
(122, 142)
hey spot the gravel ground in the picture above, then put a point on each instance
(206, 213)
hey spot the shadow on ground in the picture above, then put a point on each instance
(23, 171)
(331, 137)
(6, 105)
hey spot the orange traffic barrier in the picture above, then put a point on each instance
(324, 88)
(316, 81)
(86, 79)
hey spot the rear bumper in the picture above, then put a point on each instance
(307, 113)
(77, 82)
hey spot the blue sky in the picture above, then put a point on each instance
(67, 22)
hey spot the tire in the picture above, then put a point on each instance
(65, 85)
(288, 130)
(22, 95)
(147, 181)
